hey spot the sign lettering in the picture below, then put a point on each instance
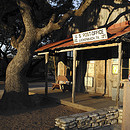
(94, 35)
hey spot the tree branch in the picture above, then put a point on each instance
(26, 13)
(55, 26)
(83, 7)
(64, 18)
(15, 42)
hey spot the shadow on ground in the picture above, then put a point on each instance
(40, 101)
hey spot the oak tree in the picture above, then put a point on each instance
(37, 19)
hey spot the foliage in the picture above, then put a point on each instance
(11, 23)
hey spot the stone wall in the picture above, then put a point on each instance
(120, 116)
(89, 120)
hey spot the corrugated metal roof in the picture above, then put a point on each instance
(114, 31)
(51, 45)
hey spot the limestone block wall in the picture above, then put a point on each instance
(120, 116)
(86, 120)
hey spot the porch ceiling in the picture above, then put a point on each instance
(115, 32)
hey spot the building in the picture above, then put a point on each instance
(99, 66)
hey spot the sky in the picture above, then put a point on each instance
(75, 2)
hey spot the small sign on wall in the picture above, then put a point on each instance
(115, 69)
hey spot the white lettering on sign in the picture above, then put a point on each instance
(94, 35)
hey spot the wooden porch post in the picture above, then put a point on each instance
(74, 75)
(46, 73)
(119, 73)
(54, 60)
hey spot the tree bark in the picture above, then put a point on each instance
(16, 86)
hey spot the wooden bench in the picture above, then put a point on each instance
(62, 83)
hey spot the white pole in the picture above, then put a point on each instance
(46, 73)
(74, 75)
(119, 73)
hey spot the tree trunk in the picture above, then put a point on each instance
(16, 86)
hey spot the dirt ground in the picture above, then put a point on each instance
(41, 117)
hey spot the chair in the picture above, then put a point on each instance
(62, 83)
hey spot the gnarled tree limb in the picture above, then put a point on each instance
(15, 42)
(55, 26)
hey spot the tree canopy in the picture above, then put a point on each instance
(12, 26)
(11, 23)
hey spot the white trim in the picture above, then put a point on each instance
(82, 48)
(42, 53)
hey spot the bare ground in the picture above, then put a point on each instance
(41, 117)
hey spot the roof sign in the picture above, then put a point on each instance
(93, 35)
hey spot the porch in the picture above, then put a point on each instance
(83, 101)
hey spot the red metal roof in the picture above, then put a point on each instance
(114, 31)
(51, 45)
